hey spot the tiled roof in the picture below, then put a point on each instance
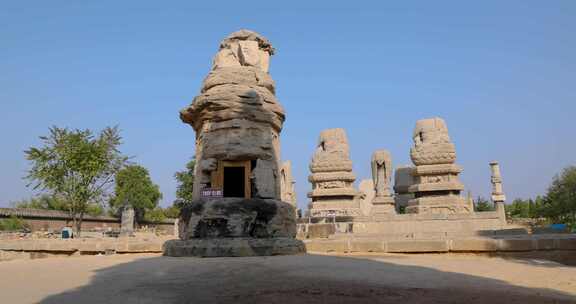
(41, 213)
(57, 214)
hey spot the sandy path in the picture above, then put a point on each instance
(288, 279)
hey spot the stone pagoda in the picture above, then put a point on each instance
(332, 179)
(436, 185)
(237, 209)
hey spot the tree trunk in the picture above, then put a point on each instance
(79, 224)
(73, 216)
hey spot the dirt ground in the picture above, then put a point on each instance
(286, 279)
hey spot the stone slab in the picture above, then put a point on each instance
(367, 246)
(320, 230)
(417, 246)
(327, 246)
(516, 245)
(473, 245)
(567, 244)
(546, 244)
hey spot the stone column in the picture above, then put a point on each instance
(498, 197)
(127, 223)
(383, 202)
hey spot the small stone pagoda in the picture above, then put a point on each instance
(237, 209)
(333, 193)
(436, 185)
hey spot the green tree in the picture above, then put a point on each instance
(77, 166)
(518, 209)
(13, 223)
(155, 215)
(52, 202)
(482, 204)
(185, 181)
(172, 212)
(184, 190)
(135, 188)
(43, 201)
(559, 204)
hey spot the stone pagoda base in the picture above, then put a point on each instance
(235, 227)
(335, 207)
(383, 205)
(440, 205)
(233, 247)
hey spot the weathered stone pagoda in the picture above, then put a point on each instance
(436, 185)
(237, 209)
(331, 177)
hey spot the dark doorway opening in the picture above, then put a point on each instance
(234, 182)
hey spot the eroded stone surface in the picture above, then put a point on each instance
(237, 217)
(237, 116)
(288, 192)
(234, 247)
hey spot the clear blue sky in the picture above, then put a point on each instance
(501, 73)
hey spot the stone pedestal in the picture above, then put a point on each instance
(235, 227)
(383, 205)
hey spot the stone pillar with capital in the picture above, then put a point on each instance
(498, 197)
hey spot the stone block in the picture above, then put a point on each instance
(473, 245)
(237, 218)
(417, 246)
(340, 246)
(515, 245)
(512, 231)
(360, 245)
(567, 244)
(42, 245)
(546, 244)
(9, 245)
(65, 245)
(142, 247)
(320, 230)
(92, 246)
(233, 247)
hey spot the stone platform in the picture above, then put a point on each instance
(495, 245)
(233, 247)
(220, 227)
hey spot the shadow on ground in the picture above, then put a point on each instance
(293, 279)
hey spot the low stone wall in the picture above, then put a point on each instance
(500, 244)
(40, 248)
(54, 220)
(412, 226)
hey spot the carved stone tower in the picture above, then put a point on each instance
(437, 186)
